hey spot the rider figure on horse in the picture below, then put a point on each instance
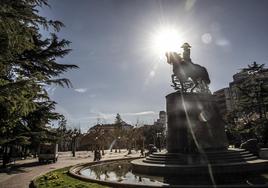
(187, 76)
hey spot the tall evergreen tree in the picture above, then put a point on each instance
(28, 63)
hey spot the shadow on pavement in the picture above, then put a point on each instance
(18, 168)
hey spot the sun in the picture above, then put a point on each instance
(166, 39)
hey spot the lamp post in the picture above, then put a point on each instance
(97, 143)
(142, 148)
(129, 145)
(119, 144)
(74, 135)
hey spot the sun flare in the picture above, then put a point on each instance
(167, 39)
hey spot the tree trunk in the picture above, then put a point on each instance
(5, 157)
(102, 151)
(35, 153)
(74, 147)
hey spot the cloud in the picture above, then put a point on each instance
(98, 114)
(51, 89)
(81, 90)
(109, 116)
(139, 113)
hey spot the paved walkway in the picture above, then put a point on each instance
(20, 175)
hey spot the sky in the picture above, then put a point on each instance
(120, 69)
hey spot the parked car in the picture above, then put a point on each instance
(48, 152)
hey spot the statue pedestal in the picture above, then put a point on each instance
(196, 142)
(194, 123)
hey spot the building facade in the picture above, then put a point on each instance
(162, 120)
(223, 99)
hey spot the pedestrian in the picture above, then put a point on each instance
(98, 155)
(142, 152)
(95, 155)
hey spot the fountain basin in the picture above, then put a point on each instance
(119, 173)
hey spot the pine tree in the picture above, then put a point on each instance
(28, 63)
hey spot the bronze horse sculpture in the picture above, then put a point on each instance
(184, 68)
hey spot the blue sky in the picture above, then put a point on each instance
(119, 70)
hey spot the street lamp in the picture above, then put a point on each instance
(134, 141)
(130, 145)
(119, 144)
(142, 149)
(97, 144)
(74, 136)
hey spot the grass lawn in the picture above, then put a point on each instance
(60, 178)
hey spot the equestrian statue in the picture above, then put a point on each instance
(187, 76)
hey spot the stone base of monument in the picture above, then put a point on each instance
(196, 142)
(232, 161)
(263, 153)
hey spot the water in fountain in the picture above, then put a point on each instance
(121, 172)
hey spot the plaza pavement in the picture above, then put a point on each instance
(23, 171)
